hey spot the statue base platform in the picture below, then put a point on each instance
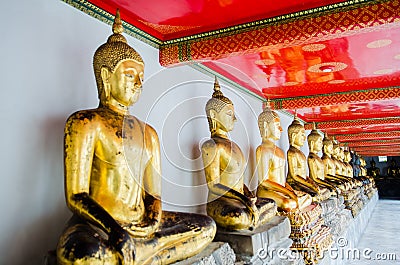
(261, 245)
(348, 240)
(217, 253)
(335, 216)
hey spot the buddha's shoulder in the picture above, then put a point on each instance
(265, 149)
(216, 142)
(85, 116)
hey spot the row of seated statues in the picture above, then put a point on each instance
(113, 175)
(392, 171)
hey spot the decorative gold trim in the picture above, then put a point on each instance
(314, 47)
(379, 43)
(265, 62)
(335, 67)
(103, 16)
(348, 5)
(383, 71)
(336, 81)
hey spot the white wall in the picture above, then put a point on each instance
(46, 74)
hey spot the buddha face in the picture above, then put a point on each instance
(299, 137)
(347, 156)
(328, 148)
(125, 81)
(225, 118)
(341, 153)
(275, 129)
(335, 151)
(318, 144)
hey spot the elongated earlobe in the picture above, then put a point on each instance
(105, 76)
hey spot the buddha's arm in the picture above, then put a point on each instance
(334, 179)
(264, 163)
(308, 182)
(79, 145)
(152, 188)
(211, 160)
(312, 166)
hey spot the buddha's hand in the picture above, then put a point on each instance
(144, 229)
(124, 245)
(255, 216)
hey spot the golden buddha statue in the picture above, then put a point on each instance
(297, 163)
(316, 165)
(341, 171)
(230, 202)
(271, 166)
(330, 165)
(374, 171)
(363, 167)
(392, 171)
(347, 160)
(112, 176)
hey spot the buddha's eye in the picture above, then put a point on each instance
(129, 75)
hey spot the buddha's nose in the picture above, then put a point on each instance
(138, 82)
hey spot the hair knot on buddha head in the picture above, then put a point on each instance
(266, 117)
(215, 104)
(113, 52)
(295, 128)
(314, 136)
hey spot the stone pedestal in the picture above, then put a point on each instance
(335, 216)
(217, 253)
(261, 245)
(348, 240)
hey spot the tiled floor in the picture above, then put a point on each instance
(381, 238)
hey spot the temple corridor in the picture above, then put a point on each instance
(381, 235)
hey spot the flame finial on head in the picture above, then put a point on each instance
(266, 104)
(267, 115)
(117, 27)
(216, 85)
(217, 100)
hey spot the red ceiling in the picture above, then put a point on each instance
(167, 20)
(336, 63)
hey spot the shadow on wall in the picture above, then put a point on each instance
(30, 244)
(43, 212)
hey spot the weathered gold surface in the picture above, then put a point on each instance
(297, 163)
(112, 176)
(230, 203)
(271, 164)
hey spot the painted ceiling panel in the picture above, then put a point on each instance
(335, 63)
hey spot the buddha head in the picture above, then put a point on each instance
(314, 140)
(327, 145)
(269, 124)
(220, 111)
(296, 133)
(336, 149)
(118, 69)
(341, 154)
(347, 156)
